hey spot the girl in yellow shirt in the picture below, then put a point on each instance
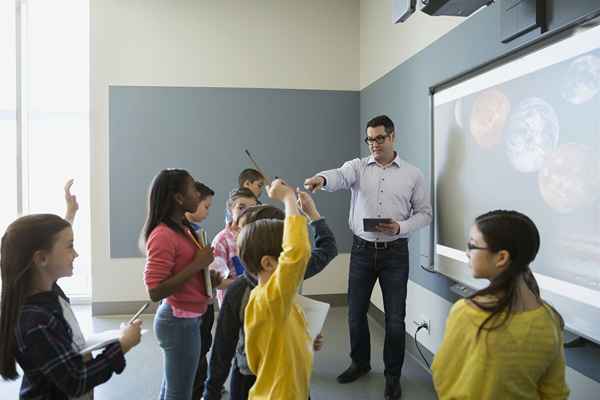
(504, 342)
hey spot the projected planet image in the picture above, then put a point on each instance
(582, 81)
(532, 132)
(488, 118)
(569, 179)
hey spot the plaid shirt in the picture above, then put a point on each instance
(224, 249)
(53, 368)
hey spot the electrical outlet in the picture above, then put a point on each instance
(423, 319)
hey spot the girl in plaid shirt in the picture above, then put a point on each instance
(224, 244)
(36, 251)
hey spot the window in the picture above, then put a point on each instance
(52, 138)
(8, 114)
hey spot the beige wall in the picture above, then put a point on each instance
(309, 44)
(332, 280)
(384, 45)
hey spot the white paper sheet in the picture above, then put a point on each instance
(102, 339)
(315, 313)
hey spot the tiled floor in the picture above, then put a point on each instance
(141, 379)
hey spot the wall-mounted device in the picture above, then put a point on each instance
(455, 8)
(402, 9)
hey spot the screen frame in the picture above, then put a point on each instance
(454, 269)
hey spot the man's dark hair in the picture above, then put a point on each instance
(381, 120)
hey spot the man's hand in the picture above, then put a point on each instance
(315, 183)
(389, 229)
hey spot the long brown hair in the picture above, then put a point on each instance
(21, 240)
(517, 234)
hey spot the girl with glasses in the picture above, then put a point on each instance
(504, 341)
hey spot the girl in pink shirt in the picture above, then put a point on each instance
(174, 275)
(225, 247)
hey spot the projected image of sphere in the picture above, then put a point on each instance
(488, 117)
(568, 179)
(582, 81)
(458, 113)
(532, 132)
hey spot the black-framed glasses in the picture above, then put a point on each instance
(471, 246)
(379, 139)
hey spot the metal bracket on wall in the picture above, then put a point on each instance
(517, 17)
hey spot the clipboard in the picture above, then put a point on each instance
(100, 340)
(207, 282)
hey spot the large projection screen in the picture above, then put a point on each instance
(526, 136)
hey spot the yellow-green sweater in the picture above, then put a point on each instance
(522, 360)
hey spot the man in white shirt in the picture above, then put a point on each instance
(382, 186)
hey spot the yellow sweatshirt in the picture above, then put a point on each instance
(278, 345)
(522, 360)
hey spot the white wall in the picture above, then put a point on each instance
(384, 45)
(422, 304)
(309, 44)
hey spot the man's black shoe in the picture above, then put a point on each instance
(393, 390)
(353, 372)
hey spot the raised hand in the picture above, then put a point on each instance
(279, 190)
(307, 205)
(71, 201)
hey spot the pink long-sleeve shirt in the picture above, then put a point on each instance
(169, 252)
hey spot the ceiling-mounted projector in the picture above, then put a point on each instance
(455, 8)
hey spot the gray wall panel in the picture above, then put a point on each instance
(291, 133)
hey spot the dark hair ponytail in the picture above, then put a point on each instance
(161, 203)
(21, 240)
(517, 234)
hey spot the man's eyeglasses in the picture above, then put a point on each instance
(471, 246)
(379, 139)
